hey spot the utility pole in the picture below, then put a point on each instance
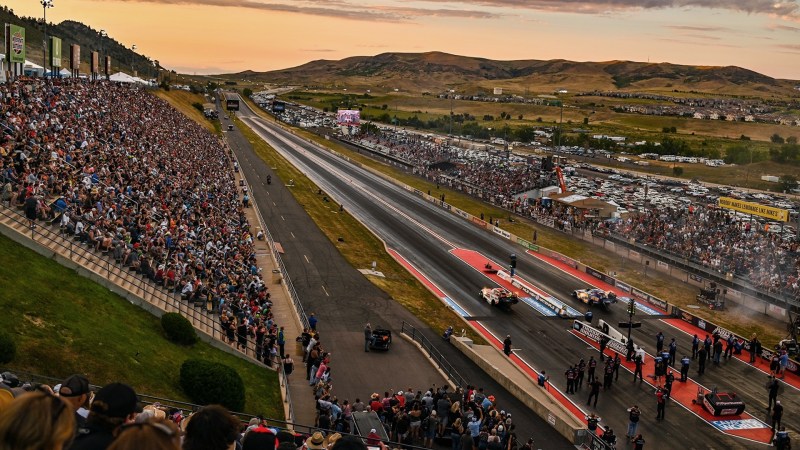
(631, 313)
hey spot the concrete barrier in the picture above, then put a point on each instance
(521, 386)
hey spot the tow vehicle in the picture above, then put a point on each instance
(595, 297)
(498, 297)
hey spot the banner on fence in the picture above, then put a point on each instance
(696, 278)
(461, 213)
(663, 265)
(624, 287)
(501, 232)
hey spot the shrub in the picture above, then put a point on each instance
(178, 329)
(198, 106)
(8, 348)
(207, 382)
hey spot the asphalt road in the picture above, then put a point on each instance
(344, 300)
(424, 233)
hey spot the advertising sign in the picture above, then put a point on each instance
(780, 215)
(95, 63)
(75, 57)
(278, 107)
(348, 117)
(232, 104)
(15, 44)
(55, 52)
(107, 65)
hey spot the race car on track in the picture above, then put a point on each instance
(595, 297)
(498, 297)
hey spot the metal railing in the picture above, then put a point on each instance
(434, 354)
(115, 271)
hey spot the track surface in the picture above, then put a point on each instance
(425, 234)
(348, 300)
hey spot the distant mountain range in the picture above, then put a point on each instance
(437, 71)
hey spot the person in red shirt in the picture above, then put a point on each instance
(660, 403)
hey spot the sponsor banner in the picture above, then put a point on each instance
(641, 295)
(663, 265)
(418, 192)
(75, 57)
(526, 244)
(15, 44)
(446, 206)
(479, 222)
(278, 107)
(696, 278)
(623, 286)
(95, 62)
(107, 65)
(461, 213)
(658, 303)
(600, 276)
(55, 52)
(232, 104)
(559, 257)
(775, 309)
(501, 232)
(731, 425)
(757, 209)
(348, 117)
(595, 335)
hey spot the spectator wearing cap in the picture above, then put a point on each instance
(36, 421)
(75, 391)
(113, 406)
(211, 428)
(259, 438)
(151, 434)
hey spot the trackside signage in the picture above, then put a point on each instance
(15, 43)
(595, 335)
(756, 209)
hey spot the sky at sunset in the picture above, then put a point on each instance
(221, 36)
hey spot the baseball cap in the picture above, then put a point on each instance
(116, 400)
(74, 386)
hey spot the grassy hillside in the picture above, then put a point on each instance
(437, 71)
(64, 324)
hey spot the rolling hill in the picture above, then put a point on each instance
(436, 71)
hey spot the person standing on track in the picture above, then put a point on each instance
(633, 421)
(707, 346)
(638, 371)
(507, 345)
(755, 348)
(592, 366)
(661, 403)
(570, 374)
(673, 349)
(695, 346)
(659, 342)
(581, 369)
(367, 337)
(772, 387)
(638, 442)
(685, 361)
(701, 360)
(595, 392)
(777, 413)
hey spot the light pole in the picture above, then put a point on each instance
(45, 4)
(452, 94)
(102, 62)
(133, 58)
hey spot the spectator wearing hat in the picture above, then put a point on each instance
(36, 421)
(317, 441)
(113, 406)
(75, 391)
(211, 428)
(151, 434)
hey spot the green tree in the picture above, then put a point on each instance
(776, 139)
(791, 140)
(677, 171)
(787, 182)
(586, 121)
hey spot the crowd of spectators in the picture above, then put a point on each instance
(720, 240)
(712, 237)
(123, 173)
